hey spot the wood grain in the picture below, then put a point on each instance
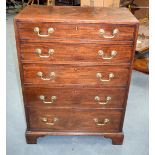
(74, 14)
(74, 120)
(83, 52)
(74, 31)
(75, 75)
(76, 42)
(31, 136)
(75, 97)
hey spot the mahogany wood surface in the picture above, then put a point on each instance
(31, 136)
(83, 52)
(74, 31)
(76, 14)
(75, 62)
(75, 75)
(74, 119)
(75, 97)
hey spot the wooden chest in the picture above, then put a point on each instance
(75, 67)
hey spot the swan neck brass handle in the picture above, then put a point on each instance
(46, 120)
(51, 76)
(110, 76)
(97, 98)
(101, 54)
(102, 122)
(37, 31)
(42, 98)
(114, 33)
(39, 52)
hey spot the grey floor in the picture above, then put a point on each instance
(135, 125)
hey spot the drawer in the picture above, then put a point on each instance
(69, 53)
(75, 97)
(76, 75)
(45, 31)
(74, 120)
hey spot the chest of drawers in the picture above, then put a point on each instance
(75, 68)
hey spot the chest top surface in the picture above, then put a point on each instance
(76, 14)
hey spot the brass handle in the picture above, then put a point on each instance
(97, 98)
(110, 76)
(101, 123)
(50, 52)
(114, 33)
(46, 121)
(101, 53)
(42, 98)
(51, 76)
(37, 31)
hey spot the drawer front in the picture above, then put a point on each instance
(44, 31)
(76, 75)
(74, 120)
(86, 52)
(75, 97)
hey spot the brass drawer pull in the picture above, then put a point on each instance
(38, 51)
(42, 98)
(46, 121)
(101, 53)
(99, 75)
(101, 123)
(51, 76)
(37, 31)
(97, 98)
(114, 33)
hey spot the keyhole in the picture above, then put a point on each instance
(75, 69)
(75, 92)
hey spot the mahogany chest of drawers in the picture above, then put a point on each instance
(75, 68)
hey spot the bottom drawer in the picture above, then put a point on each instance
(84, 120)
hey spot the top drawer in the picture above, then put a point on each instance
(45, 31)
